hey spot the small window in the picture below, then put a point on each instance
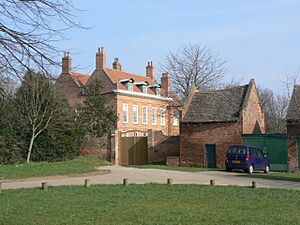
(145, 114)
(144, 89)
(129, 86)
(154, 116)
(125, 113)
(162, 117)
(135, 114)
(176, 118)
(157, 91)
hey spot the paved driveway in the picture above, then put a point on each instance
(141, 176)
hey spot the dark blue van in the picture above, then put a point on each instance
(247, 158)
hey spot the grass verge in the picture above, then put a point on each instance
(37, 169)
(149, 204)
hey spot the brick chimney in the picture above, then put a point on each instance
(117, 65)
(66, 63)
(165, 85)
(100, 59)
(150, 70)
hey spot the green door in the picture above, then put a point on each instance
(210, 151)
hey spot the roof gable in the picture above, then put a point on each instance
(216, 106)
(79, 78)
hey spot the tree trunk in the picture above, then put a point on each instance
(30, 147)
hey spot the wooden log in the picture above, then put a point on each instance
(125, 181)
(169, 181)
(254, 184)
(87, 183)
(44, 186)
(212, 182)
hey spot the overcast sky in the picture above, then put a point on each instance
(258, 38)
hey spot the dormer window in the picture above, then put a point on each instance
(157, 91)
(143, 86)
(144, 89)
(129, 86)
(128, 83)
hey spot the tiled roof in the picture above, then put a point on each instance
(293, 112)
(79, 78)
(117, 75)
(216, 106)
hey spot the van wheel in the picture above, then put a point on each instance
(250, 169)
(267, 169)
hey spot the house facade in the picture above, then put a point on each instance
(145, 107)
(213, 120)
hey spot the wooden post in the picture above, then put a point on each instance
(212, 182)
(169, 181)
(254, 184)
(87, 183)
(44, 186)
(125, 181)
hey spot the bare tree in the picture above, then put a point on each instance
(40, 104)
(288, 81)
(275, 109)
(194, 65)
(28, 30)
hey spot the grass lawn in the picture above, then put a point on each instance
(149, 204)
(162, 166)
(33, 169)
(277, 176)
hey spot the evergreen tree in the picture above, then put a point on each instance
(97, 118)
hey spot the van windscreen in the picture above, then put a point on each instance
(240, 150)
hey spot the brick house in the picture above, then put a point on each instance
(144, 106)
(293, 130)
(212, 120)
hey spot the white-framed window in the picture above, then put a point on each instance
(154, 116)
(162, 117)
(144, 89)
(125, 113)
(145, 114)
(129, 86)
(135, 118)
(176, 118)
(157, 91)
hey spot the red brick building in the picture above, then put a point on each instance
(293, 130)
(213, 120)
(144, 106)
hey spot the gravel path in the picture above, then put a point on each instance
(141, 176)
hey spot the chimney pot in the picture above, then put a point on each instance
(100, 59)
(116, 64)
(165, 85)
(150, 70)
(66, 63)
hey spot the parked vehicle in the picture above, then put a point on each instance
(247, 158)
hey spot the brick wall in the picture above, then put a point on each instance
(193, 138)
(160, 146)
(253, 116)
(293, 129)
(96, 147)
(66, 85)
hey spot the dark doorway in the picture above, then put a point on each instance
(210, 151)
